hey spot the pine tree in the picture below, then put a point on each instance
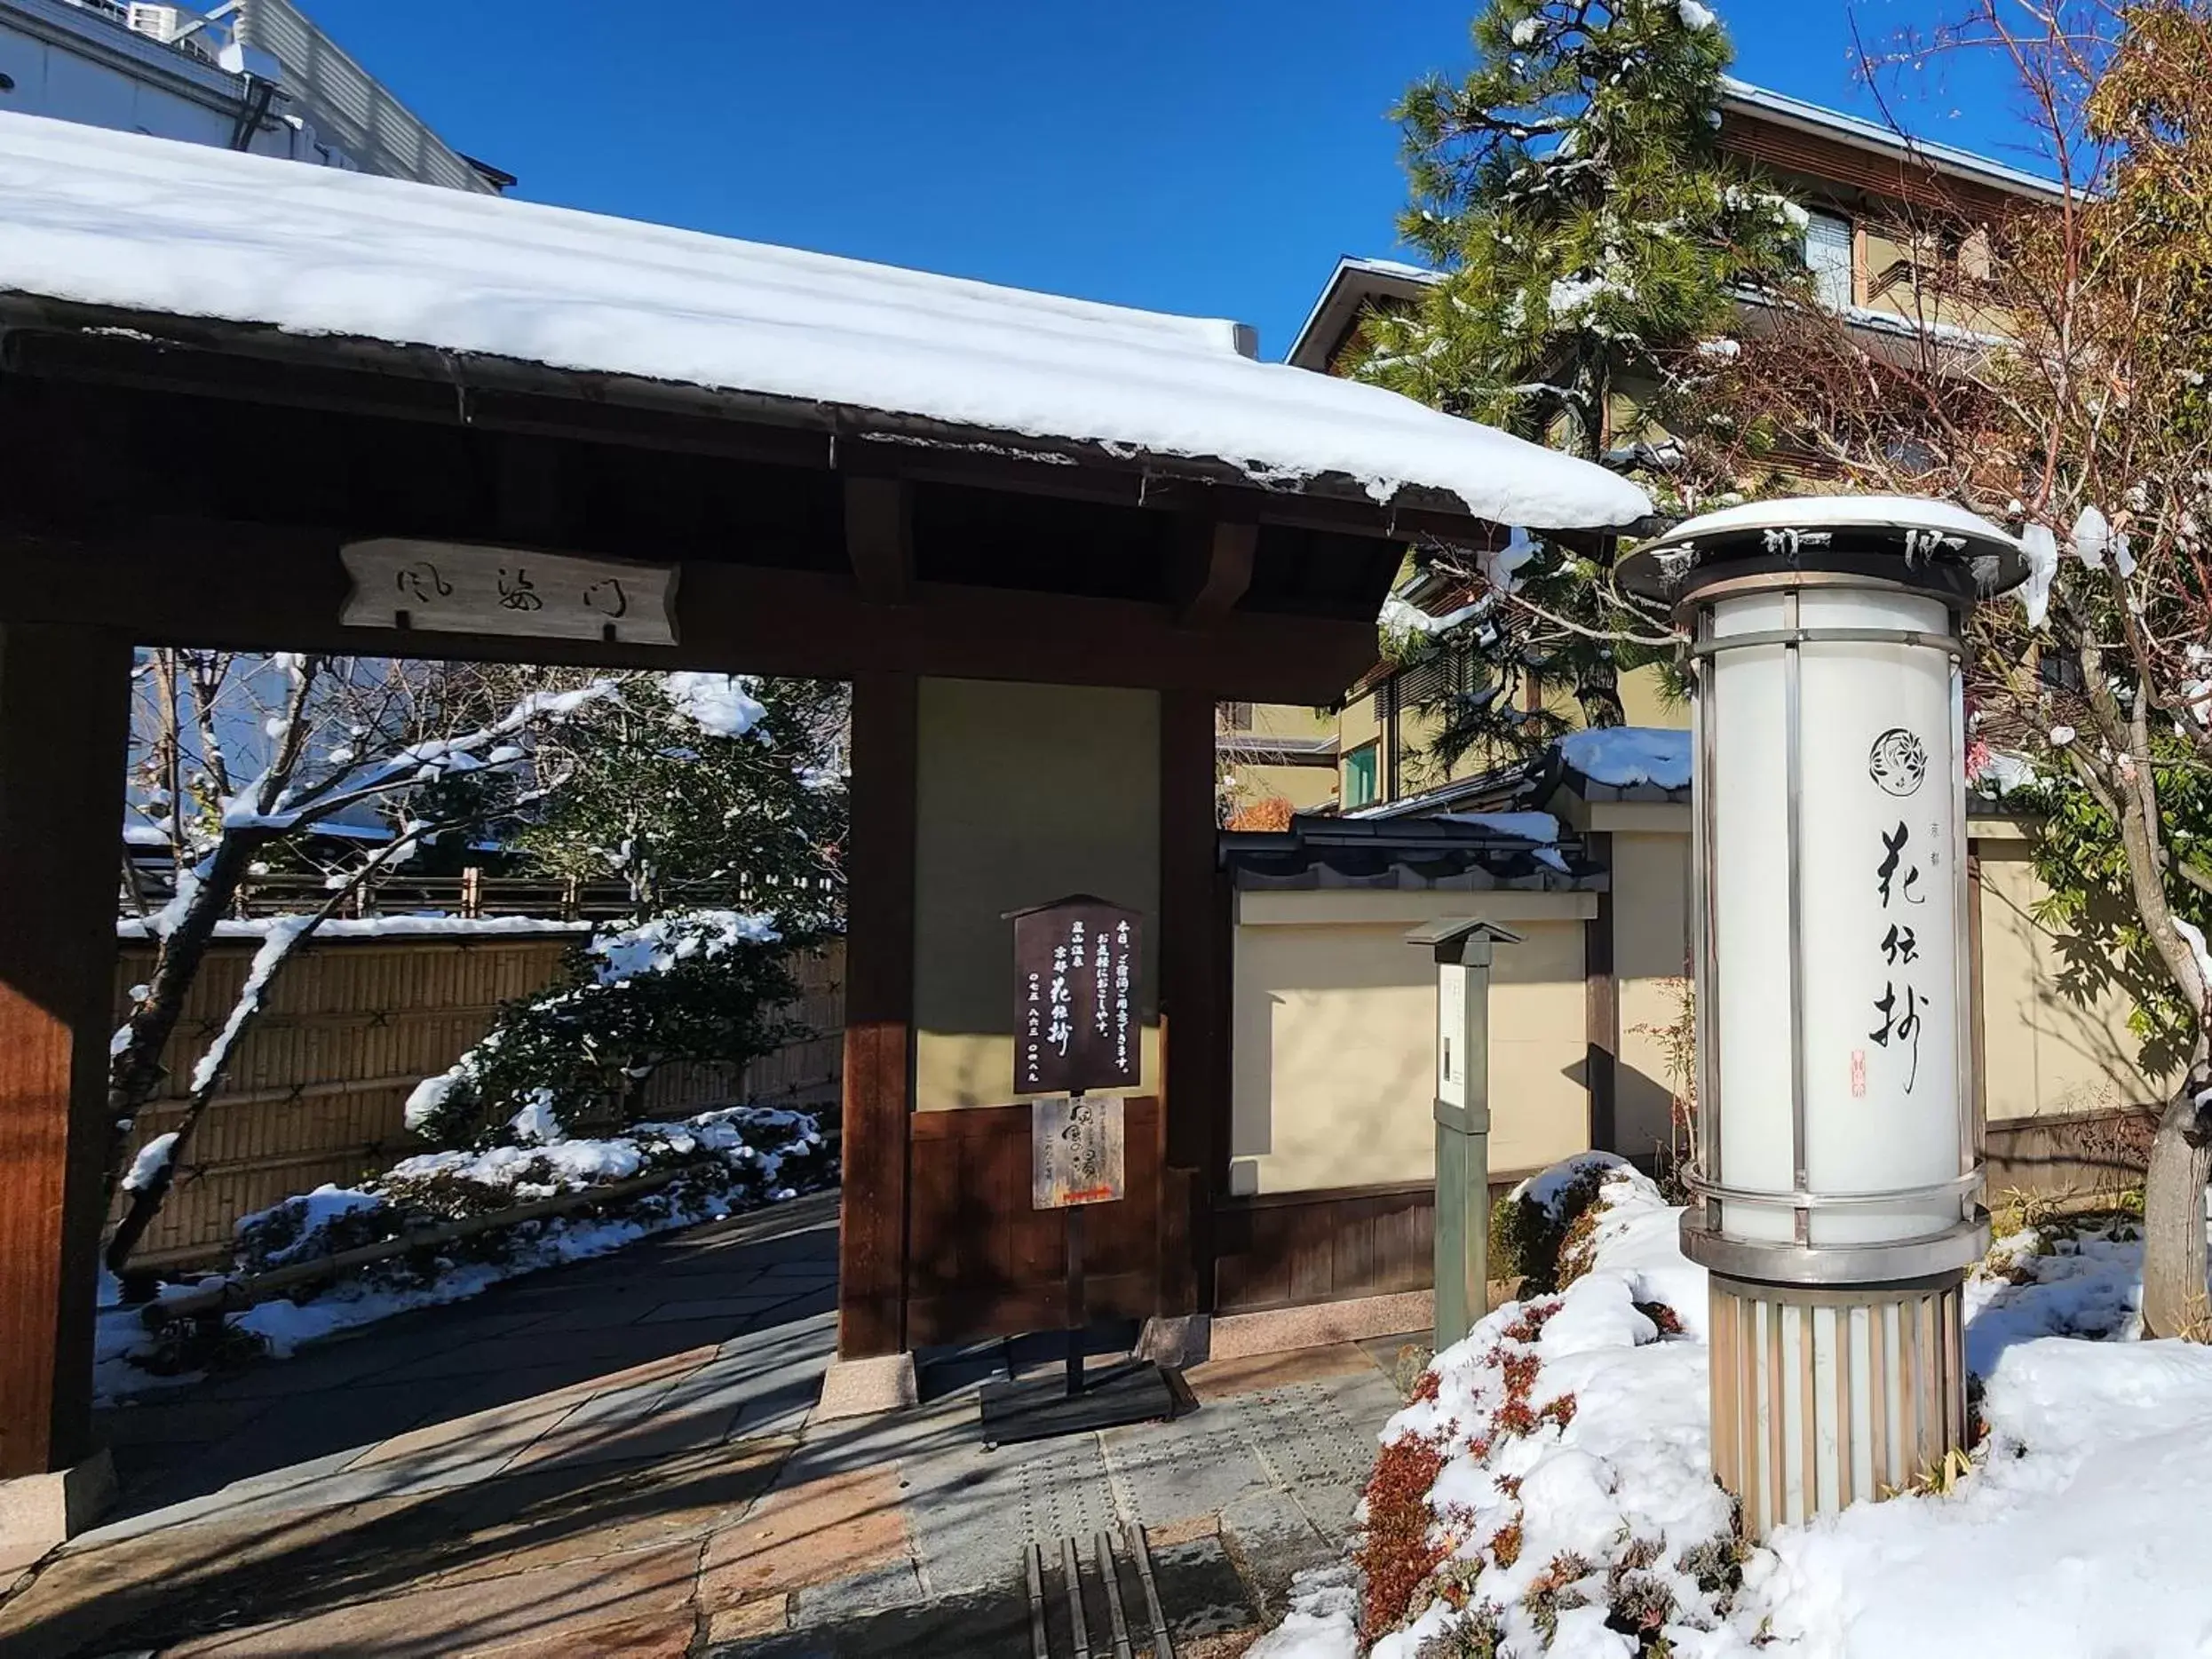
(1592, 242)
(703, 787)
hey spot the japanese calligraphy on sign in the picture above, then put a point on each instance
(448, 587)
(1076, 1152)
(1076, 1020)
(1898, 764)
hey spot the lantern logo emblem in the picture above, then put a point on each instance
(1897, 762)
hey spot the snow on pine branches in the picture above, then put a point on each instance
(1590, 232)
(699, 985)
(236, 761)
(1592, 245)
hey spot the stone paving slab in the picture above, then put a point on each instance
(808, 1531)
(648, 1591)
(666, 1497)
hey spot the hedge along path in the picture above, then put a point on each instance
(235, 1296)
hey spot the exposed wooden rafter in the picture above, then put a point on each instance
(1220, 571)
(879, 536)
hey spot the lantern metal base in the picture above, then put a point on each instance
(1835, 1266)
(1824, 1398)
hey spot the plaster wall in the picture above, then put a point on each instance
(1023, 794)
(1334, 1037)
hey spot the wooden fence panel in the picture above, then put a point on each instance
(318, 1087)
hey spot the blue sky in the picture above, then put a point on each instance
(1206, 157)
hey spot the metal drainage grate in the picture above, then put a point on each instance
(1097, 1602)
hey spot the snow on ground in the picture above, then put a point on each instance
(142, 225)
(1572, 1503)
(734, 1159)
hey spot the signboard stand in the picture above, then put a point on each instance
(1463, 949)
(1076, 1029)
(1078, 1311)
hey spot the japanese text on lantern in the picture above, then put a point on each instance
(1075, 979)
(1899, 764)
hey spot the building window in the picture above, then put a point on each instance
(1360, 776)
(1827, 256)
(1236, 717)
(2061, 670)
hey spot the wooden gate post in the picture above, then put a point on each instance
(878, 1019)
(64, 718)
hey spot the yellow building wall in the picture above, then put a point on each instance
(1305, 787)
(1334, 1023)
(1644, 700)
(1651, 948)
(1023, 794)
(2044, 1052)
(1882, 247)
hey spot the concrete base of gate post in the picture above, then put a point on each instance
(862, 1388)
(1175, 1342)
(38, 1511)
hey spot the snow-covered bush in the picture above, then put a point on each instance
(701, 985)
(1547, 1489)
(726, 1160)
(1529, 1226)
(1546, 1485)
(718, 1163)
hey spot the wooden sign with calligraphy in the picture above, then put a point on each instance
(451, 587)
(1077, 1152)
(1077, 1023)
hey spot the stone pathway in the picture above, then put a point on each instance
(615, 1458)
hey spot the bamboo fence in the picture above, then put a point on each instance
(317, 1088)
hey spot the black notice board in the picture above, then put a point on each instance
(1076, 1020)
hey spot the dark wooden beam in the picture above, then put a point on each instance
(529, 492)
(1221, 572)
(879, 536)
(879, 1015)
(1601, 1008)
(64, 710)
(384, 381)
(248, 587)
(1193, 1004)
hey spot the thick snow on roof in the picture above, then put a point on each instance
(1623, 757)
(115, 219)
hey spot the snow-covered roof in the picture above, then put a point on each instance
(1628, 756)
(139, 226)
(1893, 511)
(1350, 285)
(1855, 130)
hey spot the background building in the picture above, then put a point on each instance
(1883, 244)
(1584, 851)
(248, 74)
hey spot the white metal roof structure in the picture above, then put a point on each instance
(130, 226)
(1943, 158)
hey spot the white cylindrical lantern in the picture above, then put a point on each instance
(1837, 1169)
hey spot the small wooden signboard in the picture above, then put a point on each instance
(1077, 1152)
(450, 587)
